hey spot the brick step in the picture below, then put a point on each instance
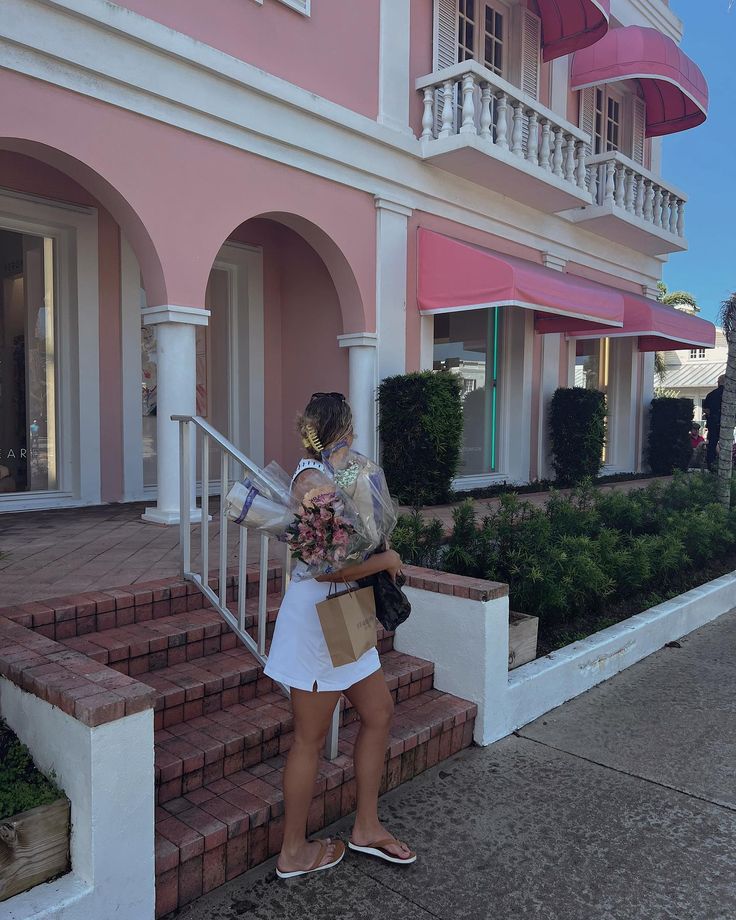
(157, 643)
(214, 833)
(207, 747)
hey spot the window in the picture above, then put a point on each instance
(697, 352)
(592, 368)
(28, 391)
(481, 34)
(466, 344)
(607, 131)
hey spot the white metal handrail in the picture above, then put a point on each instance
(189, 426)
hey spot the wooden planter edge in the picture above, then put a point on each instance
(34, 847)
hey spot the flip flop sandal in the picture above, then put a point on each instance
(379, 849)
(316, 867)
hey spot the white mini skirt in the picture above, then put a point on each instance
(299, 656)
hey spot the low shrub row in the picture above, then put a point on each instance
(585, 553)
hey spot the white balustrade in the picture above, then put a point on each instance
(617, 181)
(470, 99)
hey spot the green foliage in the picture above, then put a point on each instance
(421, 425)
(578, 432)
(588, 551)
(22, 786)
(417, 541)
(669, 434)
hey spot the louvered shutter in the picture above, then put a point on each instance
(531, 43)
(587, 115)
(638, 129)
(445, 48)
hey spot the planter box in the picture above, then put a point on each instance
(34, 847)
(522, 638)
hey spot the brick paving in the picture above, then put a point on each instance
(48, 553)
(66, 551)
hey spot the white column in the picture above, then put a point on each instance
(392, 220)
(549, 381)
(362, 375)
(176, 395)
(559, 85)
(393, 65)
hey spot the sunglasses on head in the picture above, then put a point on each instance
(339, 396)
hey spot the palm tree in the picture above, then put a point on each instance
(728, 405)
(676, 298)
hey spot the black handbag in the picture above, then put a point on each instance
(392, 605)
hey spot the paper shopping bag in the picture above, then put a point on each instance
(348, 621)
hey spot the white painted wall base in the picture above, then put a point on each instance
(108, 775)
(468, 642)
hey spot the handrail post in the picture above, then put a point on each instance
(333, 734)
(184, 475)
(263, 595)
(204, 531)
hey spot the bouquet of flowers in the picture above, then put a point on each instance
(326, 534)
(340, 520)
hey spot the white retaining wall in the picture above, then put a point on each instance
(107, 773)
(468, 641)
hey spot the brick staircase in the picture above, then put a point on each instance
(222, 728)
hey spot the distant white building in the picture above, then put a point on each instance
(694, 372)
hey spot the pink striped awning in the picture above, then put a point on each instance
(568, 25)
(657, 326)
(674, 87)
(453, 275)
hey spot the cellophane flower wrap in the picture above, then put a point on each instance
(340, 520)
(263, 501)
(346, 517)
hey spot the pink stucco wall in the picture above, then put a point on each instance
(178, 204)
(302, 320)
(420, 56)
(333, 53)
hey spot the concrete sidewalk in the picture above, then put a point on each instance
(620, 805)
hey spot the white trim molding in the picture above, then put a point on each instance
(168, 313)
(353, 339)
(555, 262)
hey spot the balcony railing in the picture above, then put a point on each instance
(633, 206)
(467, 106)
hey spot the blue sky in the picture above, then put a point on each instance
(702, 162)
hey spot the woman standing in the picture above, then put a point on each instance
(299, 658)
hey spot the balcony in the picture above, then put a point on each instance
(482, 128)
(632, 206)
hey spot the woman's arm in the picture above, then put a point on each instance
(389, 561)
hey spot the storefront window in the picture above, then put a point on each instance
(28, 422)
(592, 370)
(592, 364)
(466, 344)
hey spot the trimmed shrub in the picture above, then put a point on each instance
(578, 433)
(669, 434)
(421, 426)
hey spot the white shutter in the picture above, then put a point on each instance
(638, 129)
(445, 33)
(531, 44)
(444, 42)
(587, 115)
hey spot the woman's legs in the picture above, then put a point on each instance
(312, 715)
(375, 707)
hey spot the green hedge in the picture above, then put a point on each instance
(577, 432)
(421, 426)
(669, 434)
(584, 554)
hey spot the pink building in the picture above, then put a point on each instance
(219, 212)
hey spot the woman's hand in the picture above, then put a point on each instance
(393, 563)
